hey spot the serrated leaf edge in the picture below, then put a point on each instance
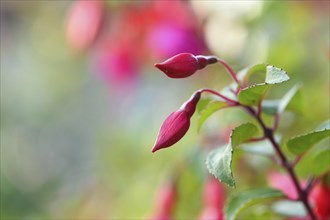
(286, 73)
(252, 86)
(232, 132)
(306, 134)
(230, 162)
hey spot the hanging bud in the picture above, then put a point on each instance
(176, 124)
(184, 65)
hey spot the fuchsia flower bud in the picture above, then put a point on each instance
(176, 124)
(184, 65)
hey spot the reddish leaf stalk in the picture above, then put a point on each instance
(276, 121)
(310, 183)
(296, 160)
(269, 133)
(228, 100)
(231, 72)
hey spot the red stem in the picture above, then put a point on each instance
(269, 133)
(231, 72)
(228, 100)
(276, 120)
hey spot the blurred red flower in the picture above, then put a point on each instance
(132, 35)
(165, 200)
(320, 198)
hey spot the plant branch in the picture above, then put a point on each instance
(269, 134)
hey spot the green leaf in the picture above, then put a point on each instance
(275, 75)
(303, 142)
(241, 201)
(289, 208)
(202, 104)
(296, 102)
(244, 74)
(218, 162)
(321, 162)
(209, 109)
(291, 100)
(252, 94)
(242, 133)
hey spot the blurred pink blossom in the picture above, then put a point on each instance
(165, 200)
(213, 199)
(116, 65)
(283, 183)
(83, 23)
(166, 40)
(142, 33)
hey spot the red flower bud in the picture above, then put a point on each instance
(320, 198)
(184, 65)
(176, 124)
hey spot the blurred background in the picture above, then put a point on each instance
(81, 102)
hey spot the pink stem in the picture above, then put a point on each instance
(230, 70)
(228, 100)
(276, 120)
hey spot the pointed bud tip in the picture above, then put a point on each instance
(160, 67)
(154, 149)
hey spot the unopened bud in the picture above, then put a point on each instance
(176, 124)
(184, 65)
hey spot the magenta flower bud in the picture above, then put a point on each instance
(176, 124)
(183, 65)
